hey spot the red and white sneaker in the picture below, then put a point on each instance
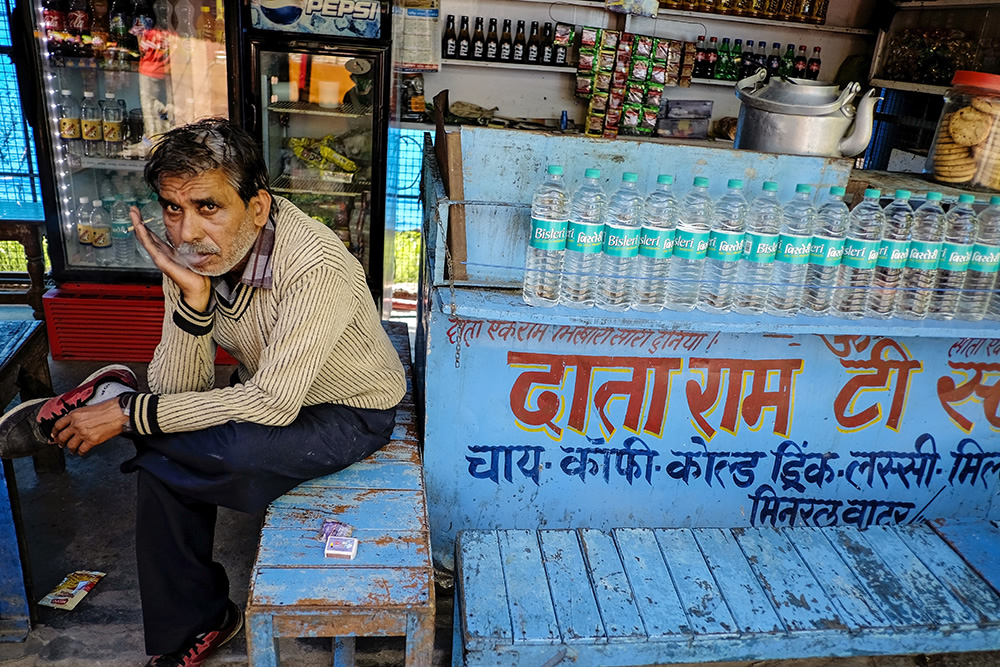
(204, 644)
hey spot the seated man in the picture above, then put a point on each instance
(315, 390)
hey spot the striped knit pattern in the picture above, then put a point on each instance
(314, 337)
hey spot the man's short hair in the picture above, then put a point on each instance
(212, 143)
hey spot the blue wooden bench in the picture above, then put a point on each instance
(387, 590)
(635, 596)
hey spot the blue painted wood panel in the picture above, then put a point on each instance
(532, 616)
(361, 508)
(361, 588)
(979, 544)
(381, 475)
(482, 591)
(611, 586)
(299, 548)
(700, 596)
(659, 605)
(574, 603)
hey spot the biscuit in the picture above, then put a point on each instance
(969, 127)
(952, 179)
(986, 105)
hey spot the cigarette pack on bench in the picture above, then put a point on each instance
(341, 547)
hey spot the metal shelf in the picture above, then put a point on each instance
(713, 82)
(318, 186)
(557, 69)
(108, 163)
(347, 110)
(912, 87)
(666, 13)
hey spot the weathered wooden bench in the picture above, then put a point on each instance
(24, 370)
(387, 590)
(635, 596)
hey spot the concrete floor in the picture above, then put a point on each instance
(84, 519)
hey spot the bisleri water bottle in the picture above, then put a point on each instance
(725, 248)
(893, 251)
(825, 253)
(960, 227)
(760, 244)
(920, 272)
(857, 265)
(694, 226)
(622, 230)
(547, 241)
(584, 242)
(791, 263)
(656, 245)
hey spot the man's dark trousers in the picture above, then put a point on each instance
(184, 477)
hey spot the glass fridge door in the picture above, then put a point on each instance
(318, 131)
(117, 73)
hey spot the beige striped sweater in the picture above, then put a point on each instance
(314, 337)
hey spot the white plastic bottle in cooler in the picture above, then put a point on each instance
(920, 273)
(725, 248)
(825, 254)
(956, 252)
(152, 217)
(622, 229)
(83, 230)
(584, 242)
(69, 123)
(113, 126)
(694, 226)
(981, 277)
(122, 235)
(893, 251)
(857, 266)
(760, 244)
(100, 235)
(791, 263)
(547, 241)
(656, 245)
(91, 126)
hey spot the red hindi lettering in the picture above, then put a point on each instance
(950, 393)
(882, 366)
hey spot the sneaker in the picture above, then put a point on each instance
(99, 386)
(20, 433)
(204, 644)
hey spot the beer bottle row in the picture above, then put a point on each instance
(540, 47)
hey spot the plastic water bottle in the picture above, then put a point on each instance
(100, 235)
(857, 266)
(694, 226)
(152, 217)
(760, 244)
(791, 263)
(656, 245)
(622, 229)
(91, 127)
(69, 123)
(547, 242)
(982, 274)
(956, 252)
(122, 235)
(920, 272)
(725, 247)
(991, 216)
(113, 124)
(84, 246)
(825, 253)
(584, 242)
(893, 251)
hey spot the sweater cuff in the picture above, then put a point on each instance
(144, 414)
(192, 321)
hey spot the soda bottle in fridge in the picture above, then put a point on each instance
(91, 126)
(69, 123)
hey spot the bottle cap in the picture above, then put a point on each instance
(770, 186)
(995, 200)
(734, 183)
(872, 192)
(88, 93)
(64, 91)
(701, 36)
(838, 191)
(903, 194)
(817, 49)
(803, 188)
(630, 177)
(700, 182)
(664, 179)
(109, 95)
(592, 173)
(966, 199)
(933, 196)
(84, 200)
(97, 203)
(555, 170)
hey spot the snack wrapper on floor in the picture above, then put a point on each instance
(72, 589)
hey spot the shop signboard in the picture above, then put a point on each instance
(555, 425)
(339, 18)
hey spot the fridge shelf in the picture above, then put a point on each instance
(347, 110)
(107, 163)
(309, 186)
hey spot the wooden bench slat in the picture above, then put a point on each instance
(383, 475)
(836, 578)
(360, 588)
(937, 603)
(882, 585)
(979, 544)
(396, 450)
(575, 605)
(795, 593)
(482, 591)
(377, 510)
(611, 586)
(531, 614)
(699, 593)
(952, 571)
(659, 605)
(298, 547)
(749, 605)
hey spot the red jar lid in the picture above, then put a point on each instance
(977, 80)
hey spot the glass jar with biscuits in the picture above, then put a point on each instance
(966, 150)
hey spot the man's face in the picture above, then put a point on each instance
(207, 222)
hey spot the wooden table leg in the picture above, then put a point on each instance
(34, 253)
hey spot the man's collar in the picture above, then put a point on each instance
(257, 272)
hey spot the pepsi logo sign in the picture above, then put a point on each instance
(360, 10)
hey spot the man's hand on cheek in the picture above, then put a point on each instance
(196, 288)
(86, 427)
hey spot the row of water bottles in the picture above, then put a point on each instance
(106, 237)
(759, 256)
